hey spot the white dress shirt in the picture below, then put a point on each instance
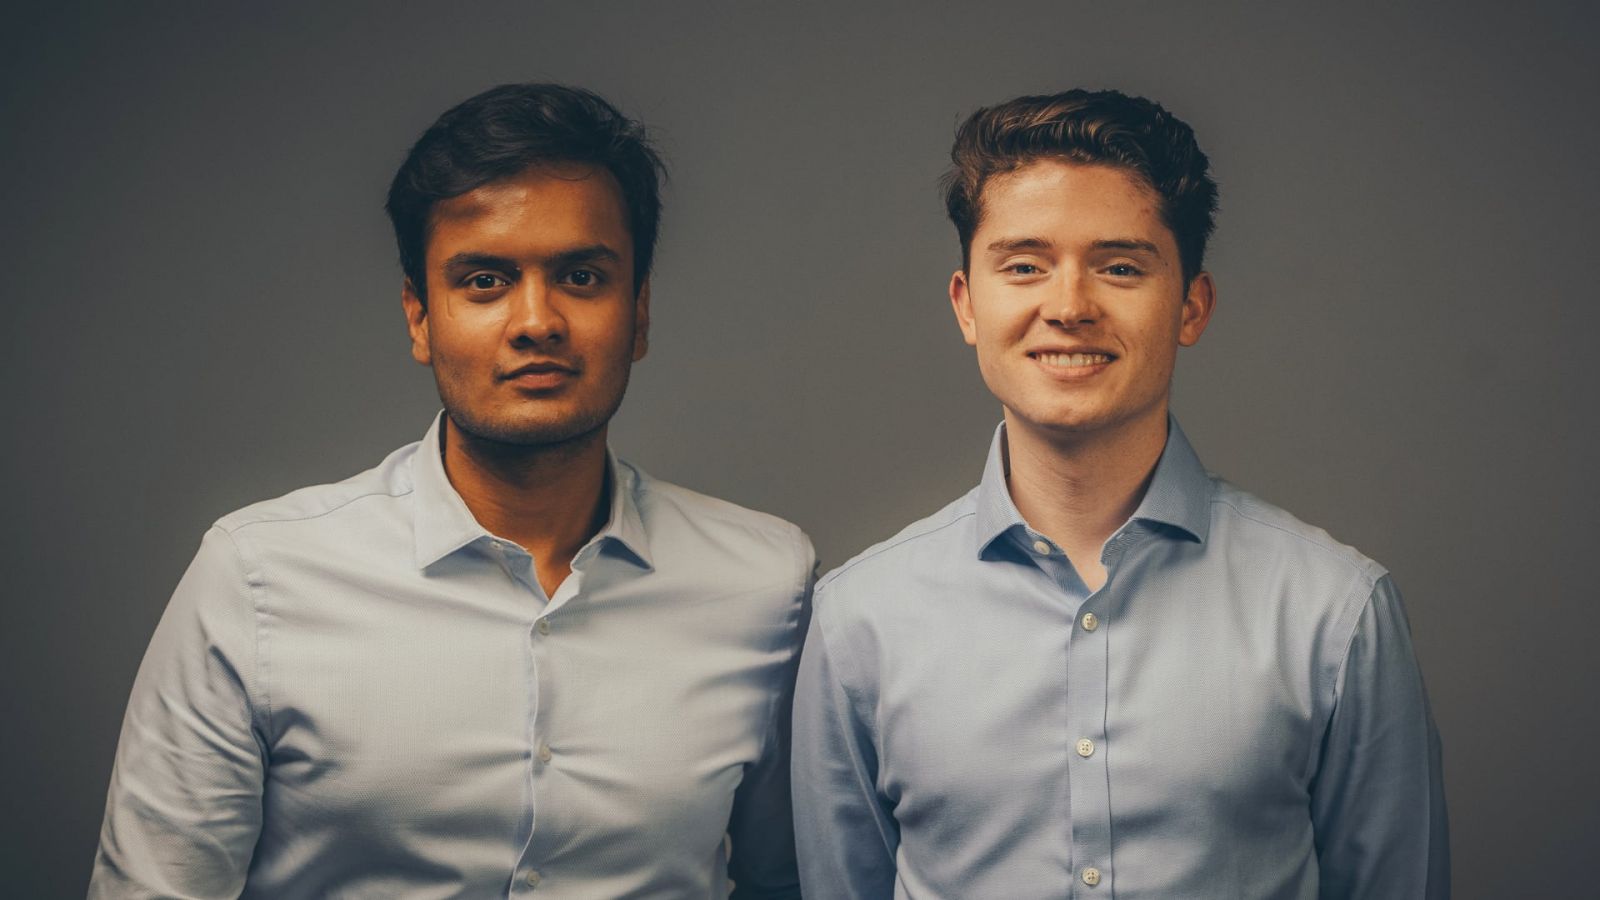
(357, 691)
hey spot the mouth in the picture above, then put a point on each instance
(1070, 361)
(541, 375)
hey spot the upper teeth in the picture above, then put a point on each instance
(1072, 359)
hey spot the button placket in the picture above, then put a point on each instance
(1087, 702)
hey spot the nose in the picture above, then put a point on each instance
(1074, 304)
(535, 319)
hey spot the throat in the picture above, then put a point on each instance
(550, 503)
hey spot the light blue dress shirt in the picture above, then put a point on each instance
(1236, 713)
(357, 691)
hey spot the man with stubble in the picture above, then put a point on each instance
(503, 662)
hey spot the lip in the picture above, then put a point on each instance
(1080, 372)
(540, 375)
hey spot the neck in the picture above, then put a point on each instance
(550, 499)
(1078, 490)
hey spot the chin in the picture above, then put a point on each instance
(530, 432)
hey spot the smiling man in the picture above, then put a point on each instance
(503, 662)
(1105, 672)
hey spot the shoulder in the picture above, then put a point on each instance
(710, 528)
(663, 498)
(935, 534)
(1243, 523)
(920, 552)
(308, 507)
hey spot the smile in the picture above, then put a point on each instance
(1071, 360)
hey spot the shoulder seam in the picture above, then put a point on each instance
(1361, 563)
(877, 551)
(279, 520)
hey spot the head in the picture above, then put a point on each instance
(1105, 128)
(507, 129)
(526, 219)
(1083, 218)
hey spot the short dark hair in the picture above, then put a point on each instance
(500, 133)
(1090, 127)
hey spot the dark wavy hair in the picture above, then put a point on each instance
(504, 130)
(1090, 127)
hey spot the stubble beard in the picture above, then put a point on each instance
(509, 434)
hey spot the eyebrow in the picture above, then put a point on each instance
(1128, 244)
(1011, 245)
(591, 253)
(575, 256)
(479, 260)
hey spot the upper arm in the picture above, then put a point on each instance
(846, 837)
(184, 806)
(761, 827)
(1377, 802)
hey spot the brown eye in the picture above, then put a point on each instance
(581, 278)
(484, 281)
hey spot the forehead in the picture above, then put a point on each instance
(1066, 198)
(542, 209)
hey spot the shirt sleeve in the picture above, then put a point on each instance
(846, 837)
(761, 826)
(184, 808)
(1377, 804)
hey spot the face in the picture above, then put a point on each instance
(531, 323)
(1075, 300)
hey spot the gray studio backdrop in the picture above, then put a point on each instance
(202, 310)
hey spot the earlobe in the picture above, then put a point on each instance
(641, 322)
(961, 303)
(416, 310)
(1198, 303)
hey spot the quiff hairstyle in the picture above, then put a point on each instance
(1093, 128)
(504, 131)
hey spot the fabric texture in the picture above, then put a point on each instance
(357, 691)
(1237, 712)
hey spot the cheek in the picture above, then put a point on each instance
(615, 334)
(454, 352)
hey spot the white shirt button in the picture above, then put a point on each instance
(544, 753)
(1085, 747)
(533, 878)
(1090, 621)
(1041, 548)
(1091, 876)
(544, 626)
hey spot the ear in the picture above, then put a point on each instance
(1198, 302)
(416, 323)
(641, 322)
(961, 302)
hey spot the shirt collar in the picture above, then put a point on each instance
(1179, 494)
(442, 524)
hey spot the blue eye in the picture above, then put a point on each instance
(1024, 269)
(1122, 270)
